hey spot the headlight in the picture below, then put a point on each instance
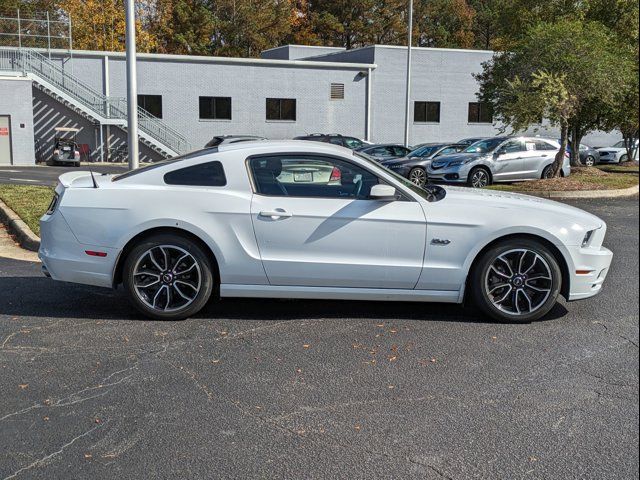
(587, 238)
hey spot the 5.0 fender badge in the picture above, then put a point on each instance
(439, 241)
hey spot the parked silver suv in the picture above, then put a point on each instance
(499, 159)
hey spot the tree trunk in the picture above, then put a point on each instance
(576, 138)
(629, 141)
(557, 164)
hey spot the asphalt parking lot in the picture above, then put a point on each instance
(319, 389)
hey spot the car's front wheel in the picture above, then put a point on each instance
(590, 161)
(479, 177)
(168, 277)
(418, 176)
(518, 280)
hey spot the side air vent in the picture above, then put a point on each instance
(337, 91)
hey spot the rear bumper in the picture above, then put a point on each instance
(65, 259)
(597, 262)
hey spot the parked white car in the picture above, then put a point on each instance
(237, 221)
(617, 153)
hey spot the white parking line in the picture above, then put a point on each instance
(22, 180)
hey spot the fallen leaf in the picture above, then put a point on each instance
(97, 420)
(306, 345)
(393, 358)
(87, 455)
(46, 419)
(215, 361)
(357, 427)
(391, 387)
(23, 386)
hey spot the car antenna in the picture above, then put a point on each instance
(93, 179)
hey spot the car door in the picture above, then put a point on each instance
(545, 154)
(508, 161)
(318, 233)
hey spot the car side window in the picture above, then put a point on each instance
(542, 145)
(379, 151)
(447, 151)
(310, 176)
(210, 174)
(512, 146)
(352, 142)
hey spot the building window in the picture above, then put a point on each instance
(281, 109)
(426, 112)
(337, 91)
(215, 108)
(480, 113)
(152, 104)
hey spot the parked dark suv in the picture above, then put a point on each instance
(335, 138)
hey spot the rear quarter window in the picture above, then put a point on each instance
(210, 174)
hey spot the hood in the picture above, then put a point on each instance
(401, 160)
(612, 149)
(446, 159)
(523, 203)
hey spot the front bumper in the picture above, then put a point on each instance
(597, 262)
(456, 174)
(65, 259)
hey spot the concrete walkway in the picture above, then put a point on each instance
(10, 249)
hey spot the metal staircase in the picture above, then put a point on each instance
(84, 100)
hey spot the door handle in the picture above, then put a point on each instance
(545, 155)
(275, 214)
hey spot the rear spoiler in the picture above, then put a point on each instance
(78, 180)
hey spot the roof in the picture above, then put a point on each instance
(290, 145)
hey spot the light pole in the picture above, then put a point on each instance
(132, 88)
(408, 101)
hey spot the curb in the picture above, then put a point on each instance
(568, 195)
(26, 238)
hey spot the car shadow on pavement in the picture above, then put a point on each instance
(42, 297)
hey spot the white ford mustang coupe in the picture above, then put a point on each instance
(297, 219)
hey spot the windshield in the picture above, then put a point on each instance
(484, 146)
(430, 193)
(424, 151)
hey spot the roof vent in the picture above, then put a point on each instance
(337, 91)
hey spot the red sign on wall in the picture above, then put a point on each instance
(4, 131)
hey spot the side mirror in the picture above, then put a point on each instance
(384, 193)
(498, 152)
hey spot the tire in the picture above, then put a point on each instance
(479, 177)
(418, 176)
(162, 293)
(76, 164)
(589, 161)
(624, 158)
(547, 172)
(531, 297)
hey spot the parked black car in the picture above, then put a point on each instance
(384, 151)
(335, 138)
(414, 165)
(468, 141)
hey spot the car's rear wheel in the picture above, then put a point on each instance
(418, 176)
(479, 178)
(590, 161)
(518, 280)
(168, 277)
(624, 158)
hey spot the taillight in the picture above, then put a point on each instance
(336, 175)
(56, 152)
(53, 204)
(76, 154)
